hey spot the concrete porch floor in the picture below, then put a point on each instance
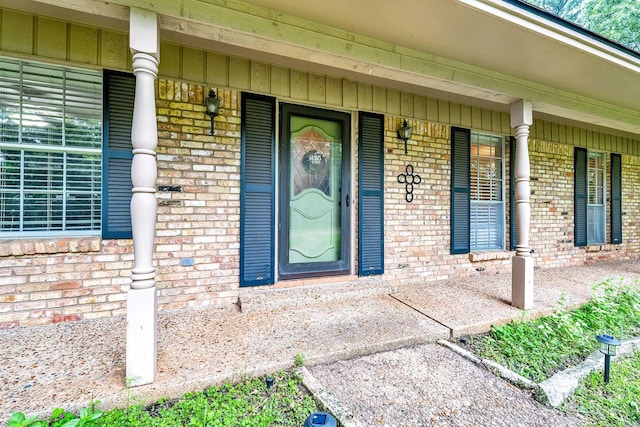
(68, 365)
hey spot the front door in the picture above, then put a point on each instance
(314, 192)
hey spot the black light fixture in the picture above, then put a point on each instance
(404, 133)
(318, 419)
(213, 102)
(608, 345)
(269, 381)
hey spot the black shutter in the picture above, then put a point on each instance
(460, 191)
(616, 198)
(513, 232)
(257, 192)
(580, 195)
(119, 93)
(371, 194)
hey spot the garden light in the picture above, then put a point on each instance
(320, 419)
(269, 381)
(608, 346)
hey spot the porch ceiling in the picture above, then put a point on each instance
(490, 34)
(463, 31)
(481, 52)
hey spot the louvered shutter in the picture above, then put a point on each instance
(371, 194)
(460, 191)
(616, 198)
(257, 196)
(119, 94)
(580, 196)
(513, 232)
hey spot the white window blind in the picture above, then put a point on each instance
(487, 221)
(50, 149)
(596, 187)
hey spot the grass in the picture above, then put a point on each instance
(247, 403)
(612, 404)
(537, 349)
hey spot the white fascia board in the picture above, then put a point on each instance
(556, 31)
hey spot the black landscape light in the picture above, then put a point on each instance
(608, 345)
(269, 381)
(320, 419)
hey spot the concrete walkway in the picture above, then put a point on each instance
(71, 364)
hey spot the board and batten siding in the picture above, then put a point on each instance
(59, 41)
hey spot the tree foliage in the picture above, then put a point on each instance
(618, 20)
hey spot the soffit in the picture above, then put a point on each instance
(461, 50)
(462, 32)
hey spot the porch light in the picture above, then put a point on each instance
(608, 345)
(213, 102)
(404, 133)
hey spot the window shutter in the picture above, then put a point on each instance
(257, 194)
(371, 194)
(616, 198)
(580, 196)
(460, 193)
(513, 232)
(119, 94)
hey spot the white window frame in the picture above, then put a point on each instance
(12, 89)
(596, 227)
(495, 238)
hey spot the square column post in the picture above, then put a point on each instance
(141, 352)
(522, 262)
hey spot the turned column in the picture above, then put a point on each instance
(522, 262)
(141, 349)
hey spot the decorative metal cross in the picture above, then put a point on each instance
(409, 179)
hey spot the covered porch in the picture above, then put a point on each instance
(523, 68)
(72, 364)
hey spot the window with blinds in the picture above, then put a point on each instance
(50, 149)
(487, 192)
(596, 188)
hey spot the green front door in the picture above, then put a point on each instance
(314, 192)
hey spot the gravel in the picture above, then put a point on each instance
(429, 385)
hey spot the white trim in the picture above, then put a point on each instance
(502, 200)
(604, 185)
(553, 30)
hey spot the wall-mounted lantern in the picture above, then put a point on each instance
(608, 346)
(213, 103)
(404, 133)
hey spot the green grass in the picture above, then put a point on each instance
(613, 404)
(248, 403)
(538, 349)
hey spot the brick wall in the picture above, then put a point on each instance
(552, 227)
(551, 235)
(199, 224)
(61, 280)
(58, 280)
(417, 238)
(197, 241)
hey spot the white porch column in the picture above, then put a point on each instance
(141, 299)
(522, 262)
